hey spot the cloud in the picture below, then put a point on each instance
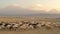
(53, 4)
(46, 7)
(17, 9)
(14, 6)
(36, 7)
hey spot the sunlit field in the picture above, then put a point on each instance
(43, 30)
(38, 19)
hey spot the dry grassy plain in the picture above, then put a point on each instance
(37, 19)
(35, 31)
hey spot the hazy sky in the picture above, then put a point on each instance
(32, 4)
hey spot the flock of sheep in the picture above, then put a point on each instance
(25, 25)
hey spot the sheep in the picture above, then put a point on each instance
(42, 24)
(34, 25)
(32, 22)
(38, 25)
(15, 26)
(20, 23)
(9, 26)
(48, 25)
(23, 22)
(57, 25)
(2, 25)
(31, 27)
(24, 27)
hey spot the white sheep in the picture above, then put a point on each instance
(38, 25)
(24, 27)
(31, 27)
(9, 26)
(15, 25)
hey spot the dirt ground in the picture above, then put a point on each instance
(35, 31)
